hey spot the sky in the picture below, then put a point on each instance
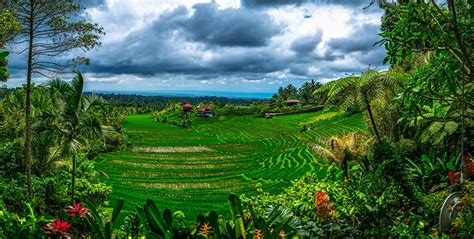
(225, 45)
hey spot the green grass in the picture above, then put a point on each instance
(241, 152)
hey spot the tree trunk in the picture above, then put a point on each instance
(28, 103)
(372, 119)
(73, 178)
(344, 165)
(345, 170)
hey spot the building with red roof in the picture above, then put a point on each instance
(187, 107)
(205, 111)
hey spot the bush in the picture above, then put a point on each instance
(51, 190)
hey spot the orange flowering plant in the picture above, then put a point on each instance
(323, 207)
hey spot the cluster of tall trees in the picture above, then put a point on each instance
(420, 112)
(140, 104)
(47, 32)
(428, 91)
(304, 93)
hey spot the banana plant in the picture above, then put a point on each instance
(239, 230)
(278, 222)
(160, 225)
(102, 228)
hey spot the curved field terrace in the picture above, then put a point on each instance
(194, 170)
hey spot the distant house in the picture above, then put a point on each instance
(294, 103)
(205, 112)
(187, 107)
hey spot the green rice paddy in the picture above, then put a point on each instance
(194, 170)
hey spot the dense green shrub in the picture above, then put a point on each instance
(381, 199)
(52, 189)
(464, 224)
(239, 110)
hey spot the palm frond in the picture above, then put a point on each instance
(323, 152)
(60, 86)
(77, 86)
(92, 100)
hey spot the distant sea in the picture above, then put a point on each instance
(227, 94)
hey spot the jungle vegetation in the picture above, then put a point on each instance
(377, 161)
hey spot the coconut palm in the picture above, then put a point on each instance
(358, 91)
(342, 149)
(72, 121)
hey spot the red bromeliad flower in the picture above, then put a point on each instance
(77, 210)
(453, 177)
(58, 227)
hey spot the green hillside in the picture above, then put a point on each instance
(194, 170)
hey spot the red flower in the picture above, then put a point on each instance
(77, 210)
(453, 177)
(58, 227)
(324, 208)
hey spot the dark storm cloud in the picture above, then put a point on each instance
(373, 58)
(362, 39)
(153, 49)
(306, 44)
(298, 69)
(230, 27)
(247, 60)
(163, 46)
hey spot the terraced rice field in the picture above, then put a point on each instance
(194, 170)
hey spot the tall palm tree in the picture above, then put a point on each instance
(72, 121)
(342, 149)
(358, 91)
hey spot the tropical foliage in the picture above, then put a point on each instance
(378, 161)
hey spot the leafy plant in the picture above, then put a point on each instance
(160, 225)
(239, 229)
(278, 222)
(357, 92)
(102, 228)
(432, 170)
(3, 65)
(16, 226)
(72, 124)
(343, 149)
(464, 223)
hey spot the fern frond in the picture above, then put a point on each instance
(450, 127)
(434, 128)
(341, 85)
(438, 131)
